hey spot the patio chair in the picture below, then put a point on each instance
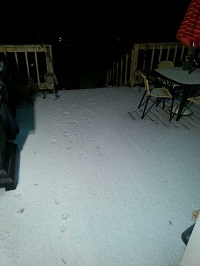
(160, 94)
(138, 75)
(166, 63)
(194, 100)
(193, 97)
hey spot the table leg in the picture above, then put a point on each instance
(182, 103)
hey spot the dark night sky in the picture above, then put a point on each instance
(94, 26)
(95, 33)
(83, 23)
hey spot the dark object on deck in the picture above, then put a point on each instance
(186, 234)
(7, 91)
(10, 123)
(9, 161)
(9, 170)
(9, 128)
(7, 107)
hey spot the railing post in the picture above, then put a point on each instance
(49, 59)
(152, 58)
(134, 63)
(121, 72)
(117, 73)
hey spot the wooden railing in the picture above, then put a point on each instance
(29, 61)
(35, 61)
(143, 56)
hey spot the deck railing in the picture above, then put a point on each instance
(143, 56)
(31, 62)
(34, 61)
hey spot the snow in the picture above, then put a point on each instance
(97, 186)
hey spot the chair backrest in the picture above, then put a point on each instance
(194, 99)
(146, 84)
(143, 75)
(166, 64)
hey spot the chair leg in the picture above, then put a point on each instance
(189, 104)
(171, 110)
(140, 104)
(164, 103)
(157, 102)
(143, 114)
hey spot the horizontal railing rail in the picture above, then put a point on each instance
(144, 56)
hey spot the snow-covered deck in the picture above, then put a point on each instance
(98, 185)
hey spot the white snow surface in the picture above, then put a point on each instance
(97, 187)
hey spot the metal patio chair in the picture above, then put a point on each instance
(161, 64)
(160, 94)
(194, 100)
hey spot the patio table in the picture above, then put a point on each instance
(173, 76)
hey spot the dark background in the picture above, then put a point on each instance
(92, 35)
